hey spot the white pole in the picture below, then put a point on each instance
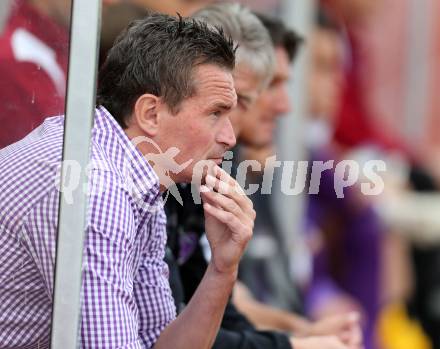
(299, 15)
(420, 29)
(81, 93)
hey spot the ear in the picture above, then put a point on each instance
(146, 114)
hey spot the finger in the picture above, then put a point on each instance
(226, 186)
(230, 191)
(352, 337)
(342, 322)
(356, 337)
(221, 201)
(233, 223)
(226, 177)
(357, 346)
(218, 185)
(336, 343)
(223, 175)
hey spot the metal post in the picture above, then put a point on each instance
(5, 8)
(298, 15)
(420, 28)
(81, 93)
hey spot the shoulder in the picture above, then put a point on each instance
(30, 170)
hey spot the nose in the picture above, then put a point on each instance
(226, 134)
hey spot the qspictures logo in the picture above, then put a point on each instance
(297, 177)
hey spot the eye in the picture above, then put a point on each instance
(243, 104)
(217, 113)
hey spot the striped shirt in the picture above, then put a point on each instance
(126, 299)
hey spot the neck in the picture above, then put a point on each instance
(148, 148)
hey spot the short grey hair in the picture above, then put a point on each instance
(255, 48)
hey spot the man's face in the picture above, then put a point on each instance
(248, 86)
(258, 124)
(356, 10)
(201, 129)
(326, 74)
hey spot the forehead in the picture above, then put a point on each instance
(213, 82)
(246, 80)
(325, 45)
(282, 67)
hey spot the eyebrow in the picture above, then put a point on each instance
(283, 77)
(221, 105)
(247, 99)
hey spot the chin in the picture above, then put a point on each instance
(200, 169)
(263, 140)
(185, 176)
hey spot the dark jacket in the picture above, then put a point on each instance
(185, 225)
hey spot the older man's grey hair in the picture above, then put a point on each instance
(255, 48)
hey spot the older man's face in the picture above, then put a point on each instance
(202, 129)
(248, 86)
(258, 125)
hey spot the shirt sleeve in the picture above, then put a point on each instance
(109, 311)
(151, 285)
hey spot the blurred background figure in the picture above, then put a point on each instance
(382, 115)
(184, 7)
(264, 270)
(362, 258)
(344, 233)
(33, 69)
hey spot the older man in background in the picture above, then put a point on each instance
(252, 76)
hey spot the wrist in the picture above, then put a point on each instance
(229, 274)
(304, 327)
(299, 343)
(295, 343)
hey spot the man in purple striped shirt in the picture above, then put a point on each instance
(168, 83)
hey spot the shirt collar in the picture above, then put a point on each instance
(144, 179)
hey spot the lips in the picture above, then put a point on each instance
(218, 156)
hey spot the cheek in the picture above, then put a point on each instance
(236, 121)
(201, 139)
(192, 128)
(267, 101)
(197, 134)
(250, 122)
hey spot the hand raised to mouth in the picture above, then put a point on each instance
(229, 219)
